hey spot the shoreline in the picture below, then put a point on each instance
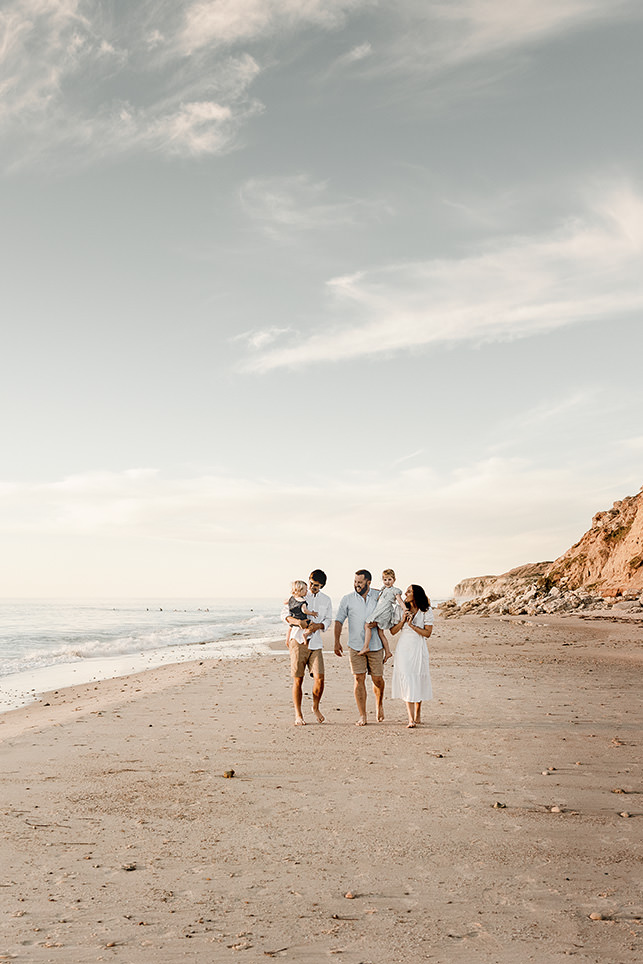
(69, 640)
(122, 840)
(24, 688)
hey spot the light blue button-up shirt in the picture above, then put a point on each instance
(358, 610)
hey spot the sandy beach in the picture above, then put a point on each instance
(492, 833)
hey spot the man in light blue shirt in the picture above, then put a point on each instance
(358, 607)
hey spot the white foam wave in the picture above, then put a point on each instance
(36, 634)
(24, 687)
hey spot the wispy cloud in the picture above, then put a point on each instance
(345, 61)
(553, 409)
(446, 51)
(282, 205)
(481, 517)
(407, 458)
(74, 81)
(491, 25)
(561, 415)
(586, 269)
(227, 22)
(41, 45)
(78, 82)
(260, 338)
(437, 36)
(175, 77)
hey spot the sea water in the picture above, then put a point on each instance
(47, 644)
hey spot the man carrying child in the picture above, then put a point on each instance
(305, 644)
(359, 607)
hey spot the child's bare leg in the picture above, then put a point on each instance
(367, 640)
(385, 644)
(382, 635)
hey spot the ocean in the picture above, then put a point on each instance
(46, 644)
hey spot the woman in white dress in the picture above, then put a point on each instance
(411, 674)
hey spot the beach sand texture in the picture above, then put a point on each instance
(122, 840)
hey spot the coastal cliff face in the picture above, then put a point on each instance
(604, 569)
(609, 557)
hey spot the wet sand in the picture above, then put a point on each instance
(123, 841)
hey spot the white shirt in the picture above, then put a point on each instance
(319, 604)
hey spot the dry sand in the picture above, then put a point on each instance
(122, 840)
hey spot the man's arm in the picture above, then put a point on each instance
(342, 613)
(291, 620)
(324, 615)
(315, 616)
(338, 632)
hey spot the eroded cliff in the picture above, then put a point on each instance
(609, 557)
(603, 569)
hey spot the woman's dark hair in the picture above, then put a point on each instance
(420, 598)
(318, 575)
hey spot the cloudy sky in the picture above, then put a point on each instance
(299, 283)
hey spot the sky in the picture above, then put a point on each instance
(289, 284)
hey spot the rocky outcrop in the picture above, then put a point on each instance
(603, 570)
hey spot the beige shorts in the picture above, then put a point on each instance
(371, 662)
(302, 658)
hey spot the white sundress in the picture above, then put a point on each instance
(411, 674)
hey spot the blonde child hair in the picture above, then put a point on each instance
(299, 586)
(389, 572)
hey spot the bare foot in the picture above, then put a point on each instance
(387, 655)
(380, 715)
(362, 721)
(411, 725)
(300, 721)
(318, 715)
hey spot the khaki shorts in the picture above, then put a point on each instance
(302, 658)
(371, 662)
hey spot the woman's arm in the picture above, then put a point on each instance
(421, 630)
(405, 619)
